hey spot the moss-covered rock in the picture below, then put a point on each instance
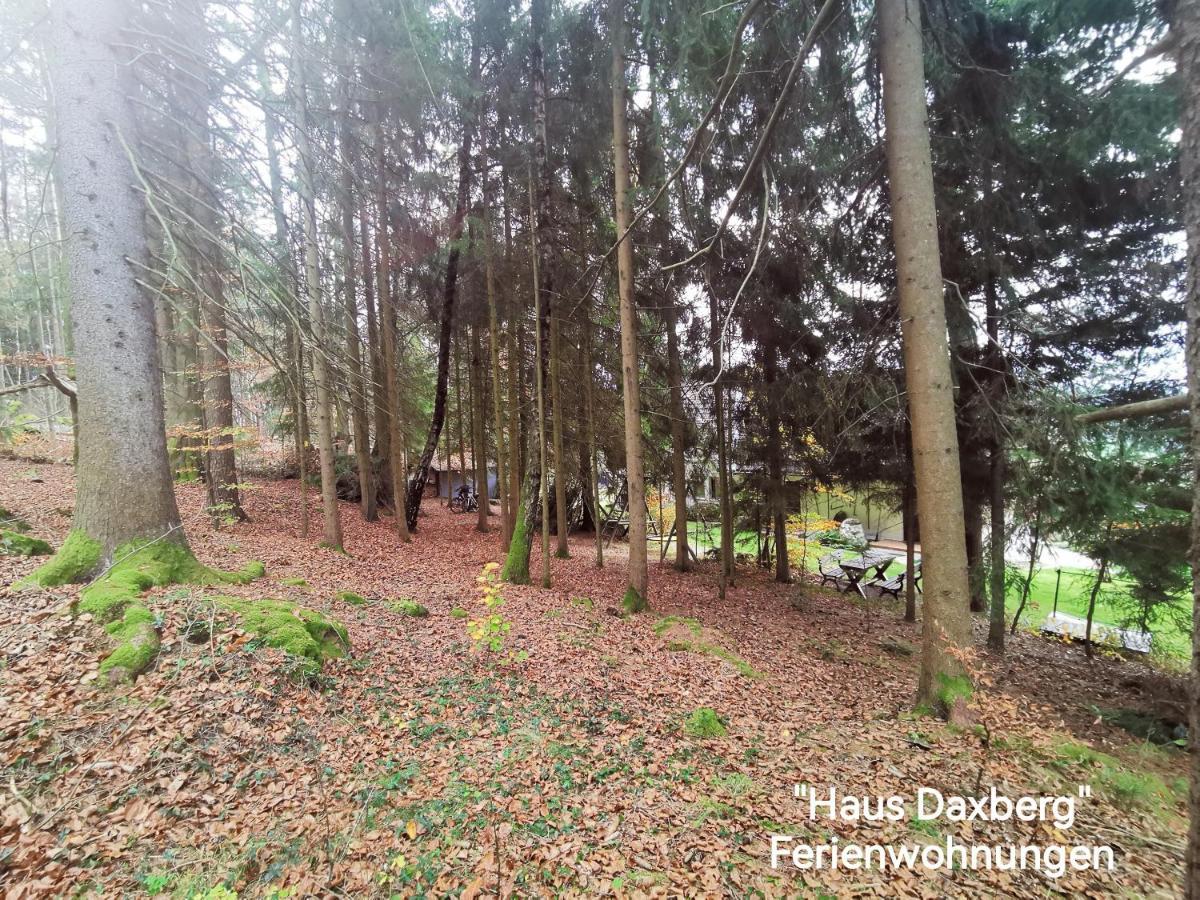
(301, 632)
(410, 608)
(352, 598)
(459, 613)
(14, 543)
(293, 582)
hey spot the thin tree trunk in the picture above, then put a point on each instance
(909, 503)
(542, 315)
(562, 550)
(516, 568)
(416, 488)
(775, 490)
(332, 531)
(479, 432)
(357, 384)
(637, 591)
(590, 419)
(1095, 593)
(494, 356)
(944, 682)
(1186, 31)
(458, 405)
(997, 621)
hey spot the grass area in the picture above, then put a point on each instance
(1075, 588)
(1172, 637)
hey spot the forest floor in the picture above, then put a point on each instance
(415, 767)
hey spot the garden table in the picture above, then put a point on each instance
(856, 568)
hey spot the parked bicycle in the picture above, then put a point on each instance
(464, 500)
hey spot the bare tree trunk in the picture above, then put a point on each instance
(282, 251)
(1186, 30)
(357, 385)
(997, 618)
(479, 433)
(908, 511)
(516, 567)
(562, 550)
(638, 589)
(332, 532)
(944, 682)
(377, 399)
(416, 488)
(494, 356)
(590, 418)
(124, 491)
(775, 490)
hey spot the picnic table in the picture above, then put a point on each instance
(857, 568)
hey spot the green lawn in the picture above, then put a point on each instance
(1073, 593)
(1075, 587)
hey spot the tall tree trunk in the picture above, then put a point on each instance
(388, 420)
(1101, 574)
(775, 489)
(416, 488)
(726, 548)
(376, 399)
(479, 433)
(124, 491)
(997, 619)
(590, 424)
(516, 567)
(562, 550)
(678, 439)
(908, 511)
(944, 682)
(1186, 30)
(286, 264)
(494, 358)
(332, 531)
(357, 384)
(638, 588)
(973, 533)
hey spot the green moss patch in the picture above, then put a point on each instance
(294, 582)
(1120, 784)
(303, 633)
(704, 723)
(684, 634)
(14, 543)
(410, 608)
(76, 559)
(352, 598)
(584, 603)
(10, 521)
(459, 613)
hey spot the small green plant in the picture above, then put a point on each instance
(704, 723)
(459, 613)
(489, 631)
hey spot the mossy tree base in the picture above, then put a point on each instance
(633, 601)
(516, 563)
(114, 598)
(951, 699)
